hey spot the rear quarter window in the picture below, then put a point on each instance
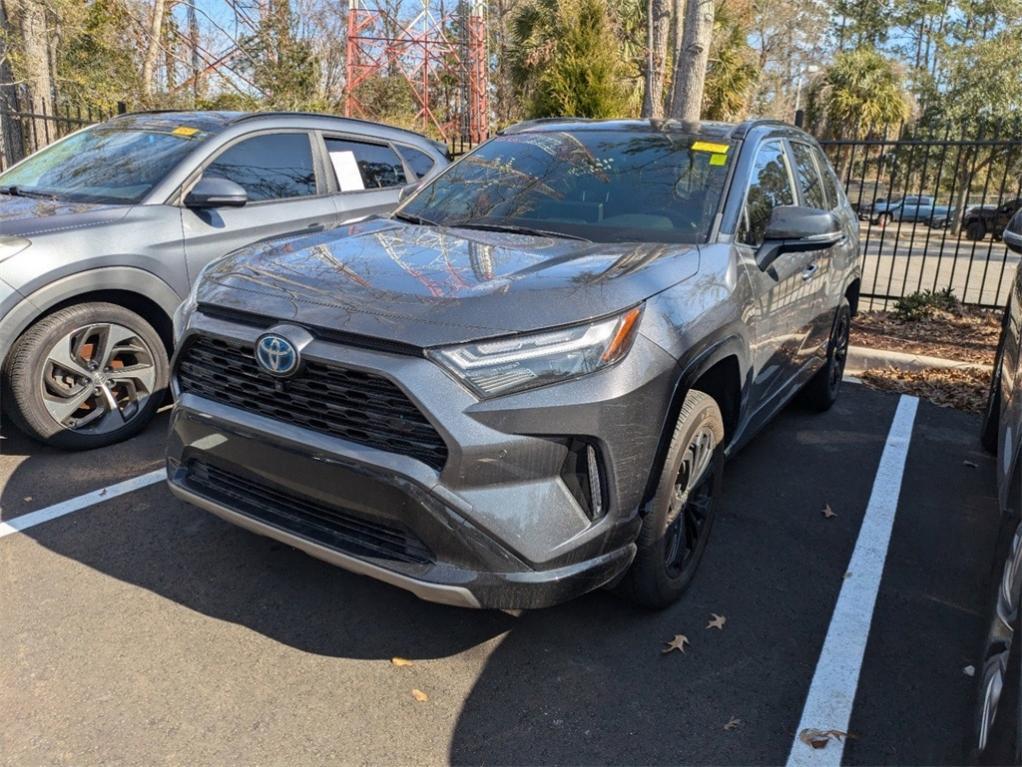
(420, 162)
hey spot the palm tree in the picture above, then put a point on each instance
(860, 91)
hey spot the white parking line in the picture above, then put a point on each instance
(25, 521)
(828, 705)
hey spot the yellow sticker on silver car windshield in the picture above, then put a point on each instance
(710, 146)
(184, 130)
(718, 159)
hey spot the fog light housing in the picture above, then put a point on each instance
(583, 476)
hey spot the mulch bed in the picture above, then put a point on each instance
(965, 335)
(955, 388)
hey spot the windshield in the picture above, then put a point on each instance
(606, 186)
(101, 164)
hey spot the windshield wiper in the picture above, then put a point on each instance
(19, 191)
(413, 219)
(516, 229)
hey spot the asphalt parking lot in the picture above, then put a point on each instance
(139, 630)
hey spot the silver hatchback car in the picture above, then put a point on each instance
(103, 232)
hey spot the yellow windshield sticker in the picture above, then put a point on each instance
(710, 146)
(718, 159)
(183, 130)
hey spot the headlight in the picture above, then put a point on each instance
(524, 362)
(11, 246)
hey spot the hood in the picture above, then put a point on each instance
(28, 216)
(427, 286)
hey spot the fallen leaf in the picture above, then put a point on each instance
(717, 622)
(734, 724)
(28, 498)
(420, 696)
(828, 512)
(820, 738)
(970, 464)
(678, 643)
(969, 671)
(401, 661)
(103, 491)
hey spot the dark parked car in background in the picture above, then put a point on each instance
(103, 232)
(989, 220)
(999, 707)
(523, 386)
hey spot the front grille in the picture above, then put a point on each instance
(360, 407)
(336, 528)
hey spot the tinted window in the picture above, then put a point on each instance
(420, 162)
(272, 167)
(770, 188)
(830, 182)
(365, 166)
(809, 182)
(103, 164)
(604, 185)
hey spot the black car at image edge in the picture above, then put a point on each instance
(523, 385)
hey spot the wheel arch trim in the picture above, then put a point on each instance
(124, 279)
(728, 342)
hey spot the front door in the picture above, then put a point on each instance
(285, 197)
(782, 312)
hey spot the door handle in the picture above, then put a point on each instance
(809, 271)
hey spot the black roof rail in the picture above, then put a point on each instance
(761, 122)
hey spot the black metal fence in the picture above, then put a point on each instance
(932, 206)
(26, 126)
(932, 203)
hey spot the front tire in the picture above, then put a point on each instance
(86, 376)
(677, 525)
(975, 230)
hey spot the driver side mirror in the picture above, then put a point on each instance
(1012, 234)
(794, 229)
(216, 192)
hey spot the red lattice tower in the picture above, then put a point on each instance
(441, 53)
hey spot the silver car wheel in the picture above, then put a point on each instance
(98, 378)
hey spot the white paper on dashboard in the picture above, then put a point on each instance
(348, 176)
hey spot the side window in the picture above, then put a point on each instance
(830, 182)
(809, 182)
(365, 166)
(770, 188)
(271, 167)
(420, 162)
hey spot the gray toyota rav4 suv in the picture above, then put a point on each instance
(522, 386)
(102, 233)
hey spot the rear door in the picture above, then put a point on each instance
(287, 195)
(370, 176)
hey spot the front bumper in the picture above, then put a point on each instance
(495, 527)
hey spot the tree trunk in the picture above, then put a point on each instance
(658, 29)
(198, 86)
(693, 55)
(152, 51)
(28, 17)
(677, 28)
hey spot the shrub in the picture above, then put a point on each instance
(922, 304)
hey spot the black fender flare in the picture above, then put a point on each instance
(728, 342)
